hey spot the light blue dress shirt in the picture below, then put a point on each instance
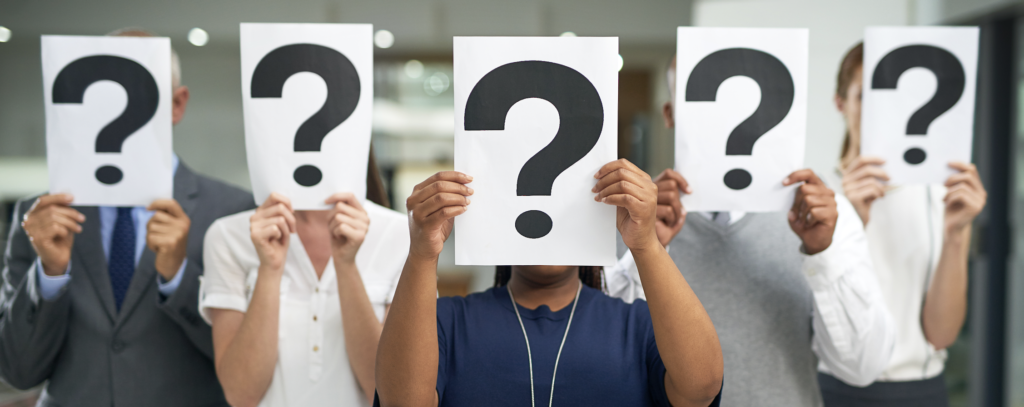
(49, 286)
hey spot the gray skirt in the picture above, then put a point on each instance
(923, 393)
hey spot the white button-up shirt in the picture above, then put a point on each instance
(312, 365)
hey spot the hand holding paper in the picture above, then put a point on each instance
(433, 206)
(167, 236)
(348, 224)
(270, 228)
(814, 214)
(622, 184)
(51, 226)
(671, 213)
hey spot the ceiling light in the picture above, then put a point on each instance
(384, 39)
(198, 36)
(621, 61)
(568, 34)
(5, 34)
(414, 68)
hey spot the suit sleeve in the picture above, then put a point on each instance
(183, 305)
(32, 330)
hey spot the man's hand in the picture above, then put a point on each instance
(622, 184)
(433, 206)
(814, 214)
(862, 184)
(167, 236)
(270, 229)
(965, 197)
(348, 224)
(51, 225)
(671, 213)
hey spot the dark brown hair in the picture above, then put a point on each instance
(854, 59)
(375, 190)
(590, 275)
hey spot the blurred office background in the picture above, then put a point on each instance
(413, 109)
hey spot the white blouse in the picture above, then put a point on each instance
(905, 236)
(312, 365)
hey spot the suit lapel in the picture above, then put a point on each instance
(186, 191)
(89, 254)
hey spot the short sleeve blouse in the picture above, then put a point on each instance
(312, 366)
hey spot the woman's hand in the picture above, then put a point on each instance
(814, 213)
(624, 185)
(270, 227)
(348, 224)
(964, 199)
(862, 184)
(433, 206)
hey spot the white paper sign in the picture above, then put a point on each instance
(740, 116)
(535, 118)
(108, 118)
(307, 94)
(918, 100)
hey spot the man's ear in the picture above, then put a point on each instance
(669, 115)
(179, 103)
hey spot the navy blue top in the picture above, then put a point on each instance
(610, 357)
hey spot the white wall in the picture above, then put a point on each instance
(835, 27)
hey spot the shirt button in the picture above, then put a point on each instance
(117, 346)
(314, 318)
(316, 289)
(316, 348)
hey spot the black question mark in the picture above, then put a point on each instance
(949, 74)
(581, 119)
(777, 92)
(143, 99)
(342, 94)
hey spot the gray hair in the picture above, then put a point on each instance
(141, 32)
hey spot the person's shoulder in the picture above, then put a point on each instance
(233, 227)
(379, 213)
(474, 301)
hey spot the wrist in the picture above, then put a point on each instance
(652, 245)
(54, 270)
(955, 235)
(812, 249)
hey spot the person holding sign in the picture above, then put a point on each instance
(296, 298)
(99, 303)
(470, 351)
(919, 237)
(787, 291)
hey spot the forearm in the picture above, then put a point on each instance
(360, 325)
(246, 367)
(945, 304)
(686, 337)
(407, 356)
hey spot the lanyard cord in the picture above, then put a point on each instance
(529, 355)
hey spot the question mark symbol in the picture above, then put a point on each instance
(581, 119)
(143, 99)
(949, 74)
(342, 94)
(777, 92)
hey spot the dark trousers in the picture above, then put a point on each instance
(918, 393)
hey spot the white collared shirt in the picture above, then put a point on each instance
(312, 364)
(853, 330)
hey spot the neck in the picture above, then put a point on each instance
(556, 292)
(311, 226)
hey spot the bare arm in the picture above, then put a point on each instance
(407, 356)
(245, 344)
(686, 338)
(348, 225)
(945, 304)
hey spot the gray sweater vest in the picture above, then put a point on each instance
(749, 278)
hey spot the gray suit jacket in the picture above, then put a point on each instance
(155, 352)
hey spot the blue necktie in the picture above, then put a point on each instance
(122, 254)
